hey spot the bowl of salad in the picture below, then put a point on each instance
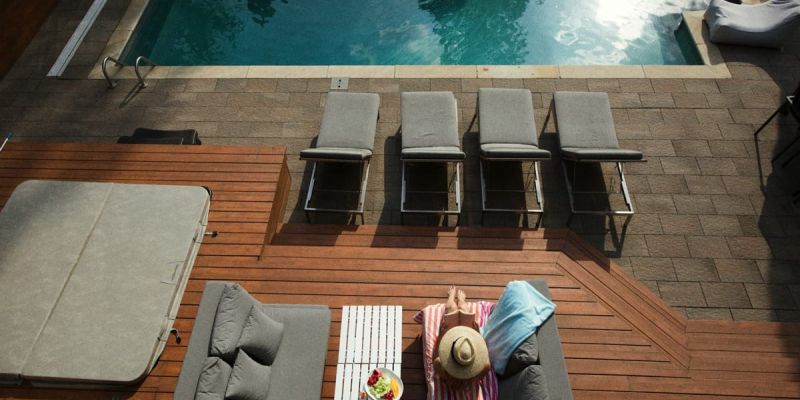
(383, 384)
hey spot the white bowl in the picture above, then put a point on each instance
(389, 374)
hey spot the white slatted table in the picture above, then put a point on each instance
(371, 337)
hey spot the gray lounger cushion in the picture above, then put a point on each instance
(430, 126)
(213, 379)
(507, 125)
(586, 128)
(108, 263)
(348, 127)
(768, 24)
(300, 362)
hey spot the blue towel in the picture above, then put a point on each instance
(518, 314)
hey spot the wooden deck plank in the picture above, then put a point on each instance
(620, 340)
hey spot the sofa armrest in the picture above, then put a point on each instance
(198, 344)
(551, 356)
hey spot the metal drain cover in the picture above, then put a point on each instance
(339, 83)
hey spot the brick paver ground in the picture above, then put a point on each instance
(715, 232)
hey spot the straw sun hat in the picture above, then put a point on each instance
(463, 353)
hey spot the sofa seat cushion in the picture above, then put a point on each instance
(261, 336)
(249, 379)
(232, 311)
(528, 384)
(213, 379)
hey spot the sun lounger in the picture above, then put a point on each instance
(586, 134)
(347, 135)
(508, 133)
(767, 24)
(430, 135)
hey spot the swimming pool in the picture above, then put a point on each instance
(413, 32)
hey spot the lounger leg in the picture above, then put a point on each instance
(537, 185)
(569, 186)
(458, 192)
(310, 190)
(363, 193)
(771, 117)
(403, 192)
(483, 188)
(483, 193)
(625, 192)
(570, 193)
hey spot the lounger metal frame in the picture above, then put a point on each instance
(359, 210)
(456, 182)
(790, 105)
(571, 192)
(537, 187)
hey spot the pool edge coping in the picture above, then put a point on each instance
(714, 65)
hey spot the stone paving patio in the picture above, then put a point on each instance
(715, 232)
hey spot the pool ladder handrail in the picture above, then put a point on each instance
(139, 60)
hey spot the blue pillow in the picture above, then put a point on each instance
(518, 314)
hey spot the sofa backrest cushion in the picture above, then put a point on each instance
(249, 379)
(528, 384)
(527, 353)
(232, 311)
(261, 336)
(213, 379)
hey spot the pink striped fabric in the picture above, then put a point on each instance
(431, 319)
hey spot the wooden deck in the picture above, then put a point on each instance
(620, 340)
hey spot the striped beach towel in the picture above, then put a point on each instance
(431, 319)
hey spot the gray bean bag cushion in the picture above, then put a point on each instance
(768, 24)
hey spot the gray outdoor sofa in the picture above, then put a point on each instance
(346, 135)
(524, 377)
(299, 362)
(430, 135)
(508, 134)
(586, 134)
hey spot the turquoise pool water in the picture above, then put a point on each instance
(422, 32)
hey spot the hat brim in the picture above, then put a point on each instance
(450, 365)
